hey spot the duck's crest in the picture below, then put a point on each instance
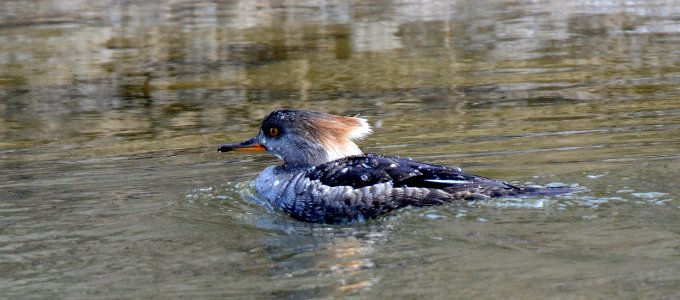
(336, 134)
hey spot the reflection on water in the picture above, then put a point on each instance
(110, 114)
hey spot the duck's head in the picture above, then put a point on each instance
(304, 138)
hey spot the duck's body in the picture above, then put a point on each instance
(326, 179)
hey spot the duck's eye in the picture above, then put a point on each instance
(273, 131)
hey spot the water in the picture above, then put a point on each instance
(111, 113)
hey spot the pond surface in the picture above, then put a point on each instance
(111, 113)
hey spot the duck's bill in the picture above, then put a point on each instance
(250, 145)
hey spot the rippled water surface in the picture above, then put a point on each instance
(111, 113)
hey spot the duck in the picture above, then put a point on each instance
(326, 178)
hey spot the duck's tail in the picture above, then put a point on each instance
(550, 190)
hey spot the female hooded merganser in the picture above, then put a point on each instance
(325, 178)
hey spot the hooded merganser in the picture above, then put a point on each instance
(325, 178)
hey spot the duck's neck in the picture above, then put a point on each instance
(307, 154)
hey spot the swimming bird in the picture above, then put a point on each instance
(325, 178)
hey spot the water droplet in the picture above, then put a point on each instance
(648, 195)
(433, 216)
(364, 177)
(589, 217)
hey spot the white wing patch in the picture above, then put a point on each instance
(448, 181)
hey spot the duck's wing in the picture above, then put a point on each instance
(370, 169)
(359, 187)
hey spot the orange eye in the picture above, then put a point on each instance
(274, 131)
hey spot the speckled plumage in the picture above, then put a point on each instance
(322, 182)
